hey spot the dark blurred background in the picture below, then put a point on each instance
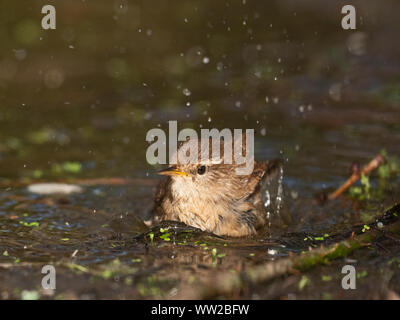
(80, 99)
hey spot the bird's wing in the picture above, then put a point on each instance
(262, 170)
(161, 193)
(161, 190)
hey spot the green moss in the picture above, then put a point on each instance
(365, 228)
(151, 236)
(166, 237)
(326, 278)
(30, 224)
(304, 281)
(362, 274)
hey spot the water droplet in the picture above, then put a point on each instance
(186, 92)
(279, 196)
(272, 252)
(267, 199)
(20, 54)
(206, 60)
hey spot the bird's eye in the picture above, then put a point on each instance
(201, 169)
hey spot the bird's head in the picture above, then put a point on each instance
(198, 174)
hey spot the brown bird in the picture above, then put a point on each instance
(210, 195)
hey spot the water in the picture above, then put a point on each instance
(279, 196)
(76, 104)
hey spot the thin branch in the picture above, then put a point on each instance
(374, 163)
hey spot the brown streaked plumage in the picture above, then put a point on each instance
(213, 197)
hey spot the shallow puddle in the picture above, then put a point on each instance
(76, 104)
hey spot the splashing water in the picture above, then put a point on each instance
(273, 190)
(267, 203)
(279, 196)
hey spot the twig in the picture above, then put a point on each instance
(374, 163)
(225, 283)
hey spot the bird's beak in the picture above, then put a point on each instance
(173, 171)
